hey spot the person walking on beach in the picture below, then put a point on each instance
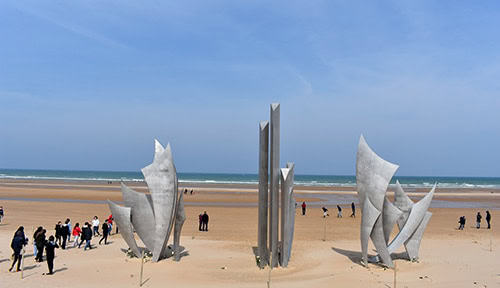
(58, 229)
(339, 214)
(201, 221)
(50, 253)
(325, 212)
(105, 229)
(304, 208)
(204, 219)
(461, 221)
(76, 234)
(95, 226)
(68, 223)
(1, 213)
(38, 230)
(17, 247)
(353, 208)
(40, 243)
(64, 234)
(110, 223)
(478, 220)
(488, 218)
(87, 233)
(84, 233)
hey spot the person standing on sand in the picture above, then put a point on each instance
(110, 222)
(87, 233)
(304, 208)
(1, 213)
(58, 229)
(105, 229)
(95, 226)
(50, 247)
(38, 230)
(64, 234)
(40, 243)
(339, 214)
(68, 222)
(478, 220)
(201, 221)
(76, 234)
(204, 219)
(353, 208)
(488, 218)
(17, 246)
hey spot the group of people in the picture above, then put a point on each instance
(186, 191)
(63, 233)
(203, 221)
(479, 217)
(325, 210)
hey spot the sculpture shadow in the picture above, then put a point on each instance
(355, 256)
(31, 267)
(4, 260)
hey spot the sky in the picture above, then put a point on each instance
(89, 85)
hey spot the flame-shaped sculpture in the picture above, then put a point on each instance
(153, 215)
(373, 175)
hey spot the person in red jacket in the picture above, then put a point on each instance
(304, 208)
(77, 231)
(110, 222)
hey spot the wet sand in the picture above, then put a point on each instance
(325, 250)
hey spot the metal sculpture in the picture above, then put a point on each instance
(373, 175)
(269, 196)
(153, 215)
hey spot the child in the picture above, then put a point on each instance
(50, 248)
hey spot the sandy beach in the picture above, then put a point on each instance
(326, 251)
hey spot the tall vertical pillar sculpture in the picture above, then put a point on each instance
(269, 196)
(287, 218)
(274, 183)
(263, 192)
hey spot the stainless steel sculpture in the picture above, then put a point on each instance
(269, 196)
(373, 175)
(274, 181)
(153, 215)
(263, 193)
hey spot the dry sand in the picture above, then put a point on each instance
(223, 256)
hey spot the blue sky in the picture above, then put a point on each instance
(88, 85)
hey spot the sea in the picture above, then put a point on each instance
(228, 178)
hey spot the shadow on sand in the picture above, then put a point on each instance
(357, 258)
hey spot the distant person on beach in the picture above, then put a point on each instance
(204, 219)
(488, 218)
(50, 253)
(325, 212)
(17, 247)
(58, 229)
(95, 226)
(1, 213)
(304, 208)
(353, 208)
(64, 234)
(478, 220)
(105, 230)
(201, 221)
(110, 223)
(339, 214)
(185, 191)
(87, 234)
(461, 222)
(40, 243)
(191, 192)
(68, 223)
(76, 234)
(38, 230)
